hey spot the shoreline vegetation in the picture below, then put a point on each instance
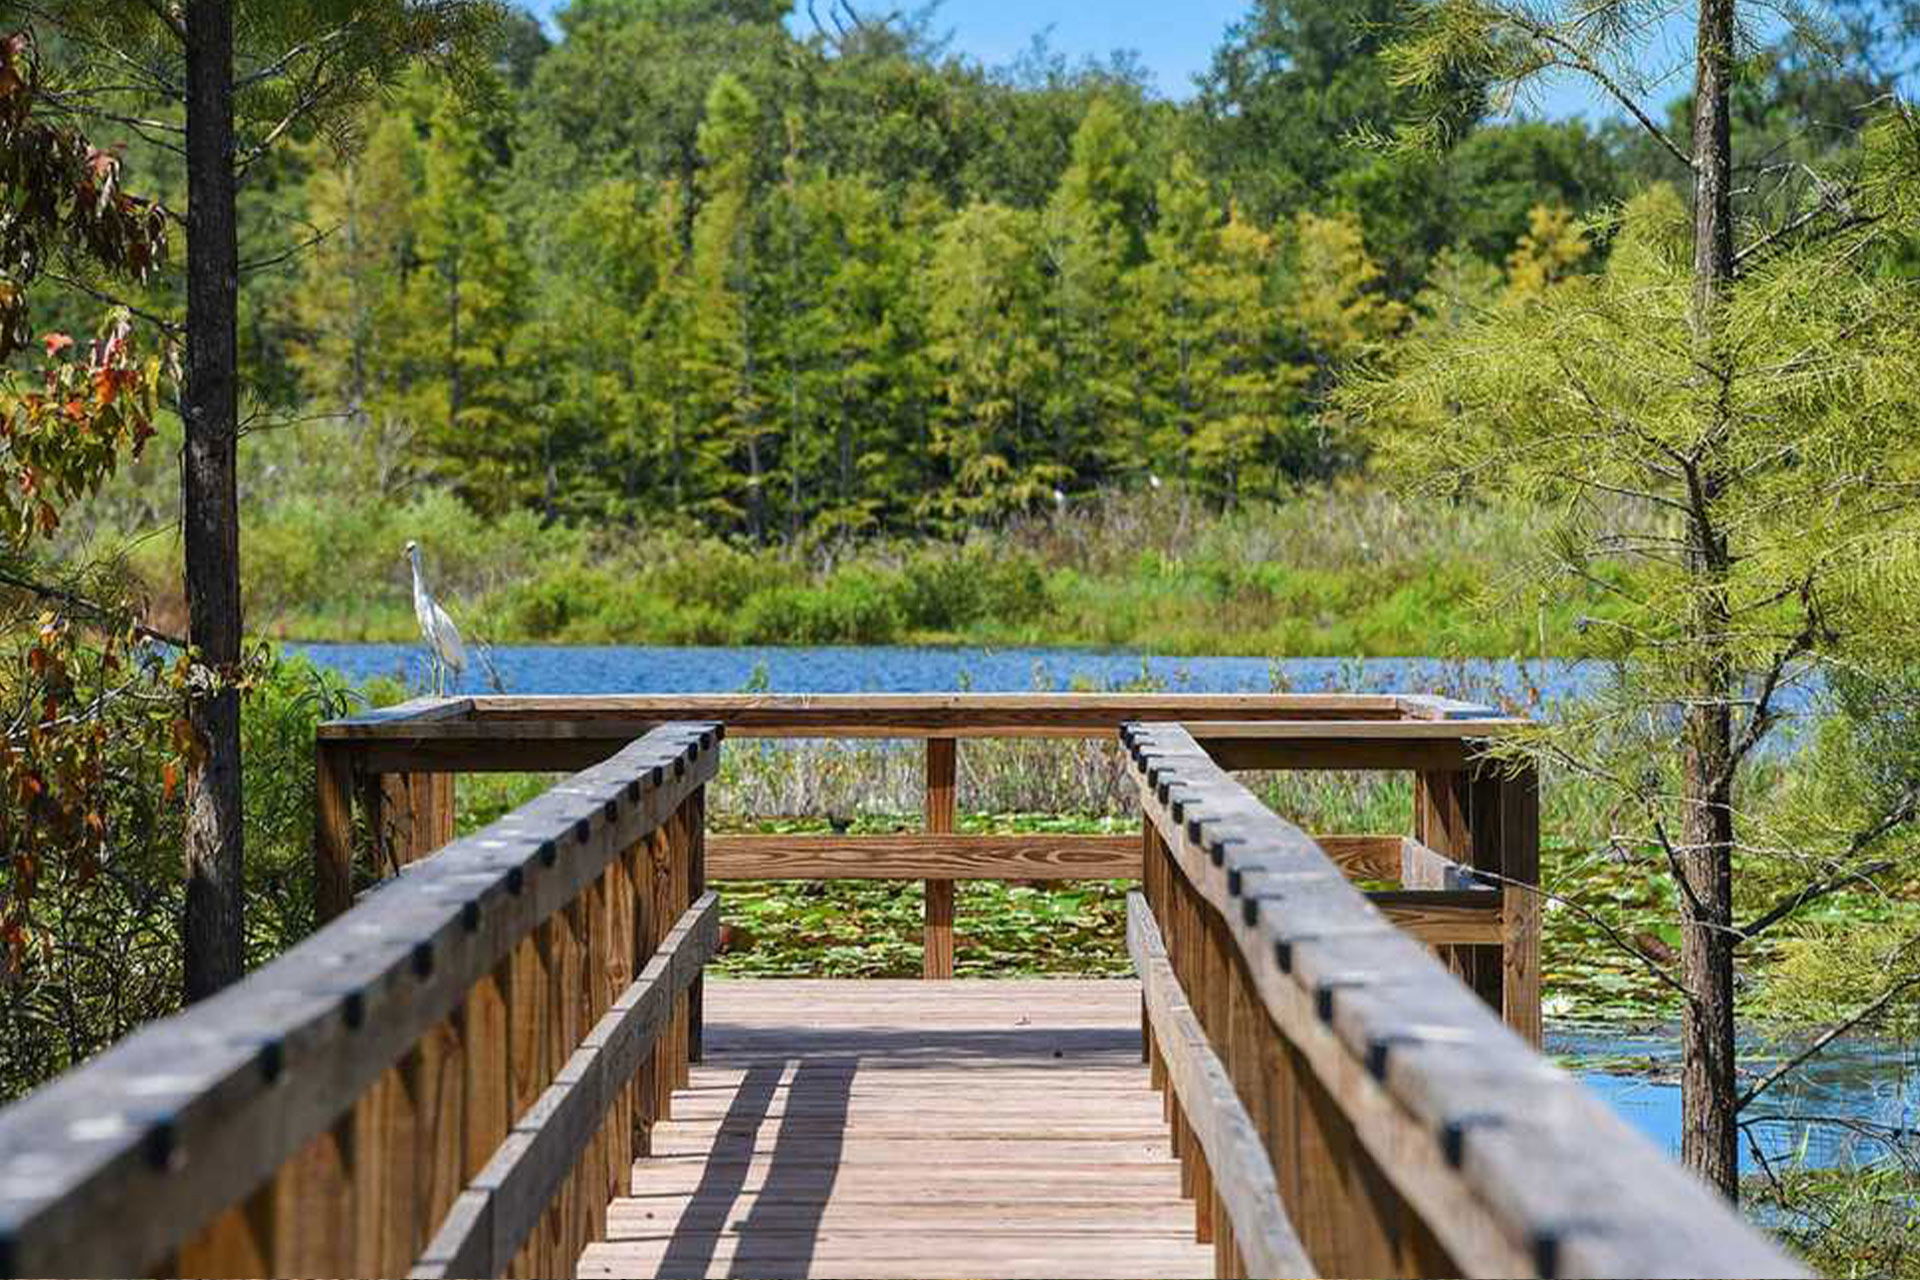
(1343, 569)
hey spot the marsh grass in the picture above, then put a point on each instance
(1341, 569)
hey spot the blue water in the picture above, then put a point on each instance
(906, 669)
(1845, 1107)
(1857, 1103)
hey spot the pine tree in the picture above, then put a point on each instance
(1218, 395)
(465, 303)
(1092, 235)
(350, 312)
(1745, 507)
(1554, 246)
(984, 298)
(725, 360)
(613, 264)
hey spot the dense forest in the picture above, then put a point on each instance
(791, 278)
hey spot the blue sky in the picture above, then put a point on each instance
(1174, 39)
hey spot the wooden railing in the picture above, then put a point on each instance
(1461, 872)
(448, 1080)
(1340, 1104)
(453, 1076)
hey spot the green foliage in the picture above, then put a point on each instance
(1722, 417)
(801, 288)
(100, 955)
(1291, 90)
(1343, 570)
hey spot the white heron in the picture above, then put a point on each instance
(1059, 500)
(1153, 480)
(436, 628)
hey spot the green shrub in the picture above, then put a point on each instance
(709, 574)
(854, 606)
(946, 588)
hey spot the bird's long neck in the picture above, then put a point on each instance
(419, 587)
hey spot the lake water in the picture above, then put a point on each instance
(1866, 1086)
(1849, 1105)
(905, 669)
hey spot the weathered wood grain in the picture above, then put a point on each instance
(920, 855)
(92, 1167)
(507, 1200)
(1444, 917)
(914, 855)
(538, 732)
(1442, 1100)
(943, 764)
(1241, 1175)
(843, 1153)
(332, 830)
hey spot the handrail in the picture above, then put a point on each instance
(1258, 1239)
(490, 1222)
(277, 1127)
(1414, 1133)
(396, 766)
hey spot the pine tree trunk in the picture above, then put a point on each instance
(1709, 1092)
(214, 925)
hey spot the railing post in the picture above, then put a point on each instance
(408, 816)
(1487, 816)
(1519, 793)
(937, 940)
(415, 817)
(332, 831)
(1443, 821)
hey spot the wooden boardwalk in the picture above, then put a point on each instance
(928, 1129)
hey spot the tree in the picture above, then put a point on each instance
(1092, 233)
(1670, 407)
(1338, 307)
(725, 356)
(1294, 85)
(66, 424)
(465, 305)
(1218, 393)
(350, 300)
(1552, 248)
(220, 84)
(983, 291)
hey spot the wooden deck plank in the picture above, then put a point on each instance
(931, 1129)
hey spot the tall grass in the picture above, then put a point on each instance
(1345, 569)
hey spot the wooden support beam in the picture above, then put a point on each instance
(1444, 917)
(1519, 798)
(924, 856)
(943, 758)
(914, 855)
(332, 830)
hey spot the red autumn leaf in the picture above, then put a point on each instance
(57, 342)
